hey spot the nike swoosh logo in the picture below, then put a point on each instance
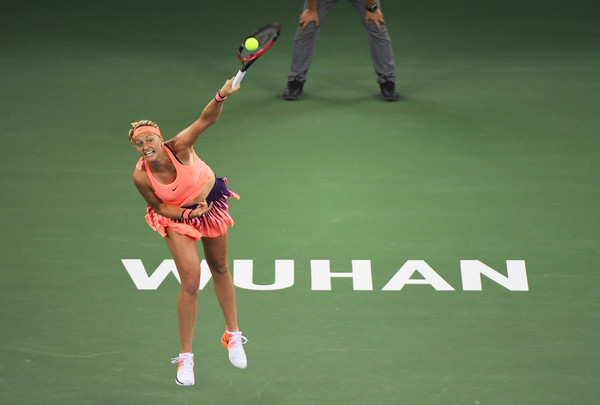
(173, 189)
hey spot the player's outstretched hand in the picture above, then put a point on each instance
(227, 90)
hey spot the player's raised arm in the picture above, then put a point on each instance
(209, 116)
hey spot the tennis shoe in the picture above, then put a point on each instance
(389, 92)
(185, 371)
(233, 342)
(293, 91)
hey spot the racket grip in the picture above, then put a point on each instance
(238, 79)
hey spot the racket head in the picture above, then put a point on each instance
(265, 36)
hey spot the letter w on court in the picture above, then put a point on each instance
(142, 281)
(242, 274)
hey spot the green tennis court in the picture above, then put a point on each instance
(386, 215)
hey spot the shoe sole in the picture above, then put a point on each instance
(239, 366)
(182, 384)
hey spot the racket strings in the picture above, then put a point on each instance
(265, 37)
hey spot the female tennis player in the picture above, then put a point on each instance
(187, 203)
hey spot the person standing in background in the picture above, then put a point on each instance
(305, 42)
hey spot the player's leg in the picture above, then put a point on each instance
(184, 253)
(215, 253)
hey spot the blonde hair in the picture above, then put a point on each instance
(142, 123)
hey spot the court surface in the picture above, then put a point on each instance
(492, 156)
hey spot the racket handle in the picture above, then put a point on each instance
(238, 79)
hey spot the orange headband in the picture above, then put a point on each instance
(145, 128)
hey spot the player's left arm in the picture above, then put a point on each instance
(186, 138)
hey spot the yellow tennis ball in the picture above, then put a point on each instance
(251, 44)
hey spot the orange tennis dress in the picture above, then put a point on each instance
(188, 184)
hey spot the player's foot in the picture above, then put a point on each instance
(293, 90)
(233, 342)
(185, 371)
(389, 92)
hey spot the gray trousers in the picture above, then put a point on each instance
(305, 43)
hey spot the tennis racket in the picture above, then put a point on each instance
(265, 36)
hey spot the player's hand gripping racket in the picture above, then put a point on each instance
(265, 36)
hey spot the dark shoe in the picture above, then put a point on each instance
(389, 92)
(293, 90)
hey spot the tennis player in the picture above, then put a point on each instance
(187, 204)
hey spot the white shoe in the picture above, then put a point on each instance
(233, 342)
(185, 371)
